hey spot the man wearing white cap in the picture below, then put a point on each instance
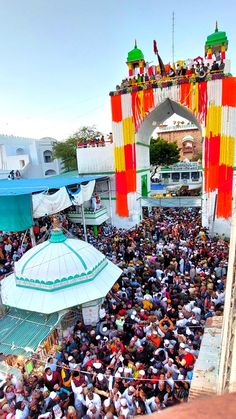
(72, 363)
(169, 365)
(129, 396)
(94, 398)
(93, 412)
(124, 408)
(182, 321)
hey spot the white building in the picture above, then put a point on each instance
(32, 157)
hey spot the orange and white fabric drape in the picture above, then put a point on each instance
(214, 105)
(124, 151)
(220, 143)
(227, 148)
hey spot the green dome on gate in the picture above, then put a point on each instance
(217, 38)
(135, 54)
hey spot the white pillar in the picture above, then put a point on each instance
(84, 224)
(227, 345)
(110, 203)
(32, 236)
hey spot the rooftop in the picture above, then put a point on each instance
(23, 331)
(27, 186)
(58, 274)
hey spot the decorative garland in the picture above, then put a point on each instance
(214, 104)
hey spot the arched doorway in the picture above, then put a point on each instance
(154, 119)
(50, 172)
(212, 107)
(188, 145)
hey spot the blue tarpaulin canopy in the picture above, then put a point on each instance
(27, 186)
(16, 198)
(15, 212)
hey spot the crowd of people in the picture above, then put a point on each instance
(198, 70)
(14, 174)
(98, 141)
(139, 357)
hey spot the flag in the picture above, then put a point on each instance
(162, 67)
(155, 50)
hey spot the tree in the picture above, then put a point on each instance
(66, 150)
(163, 153)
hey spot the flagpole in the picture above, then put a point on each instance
(173, 38)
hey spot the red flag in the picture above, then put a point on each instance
(155, 50)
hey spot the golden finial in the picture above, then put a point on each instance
(55, 222)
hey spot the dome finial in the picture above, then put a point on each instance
(55, 222)
(135, 43)
(216, 29)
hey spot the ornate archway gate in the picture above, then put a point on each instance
(213, 104)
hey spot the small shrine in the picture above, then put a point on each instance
(135, 61)
(216, 44)
(58, 274)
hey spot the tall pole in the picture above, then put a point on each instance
(110, 203)
(32, 236)
(173, 37)
(84, 224)
(228, 333)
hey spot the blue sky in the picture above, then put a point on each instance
(60, 58)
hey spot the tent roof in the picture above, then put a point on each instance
(27, 186)
(24, 330)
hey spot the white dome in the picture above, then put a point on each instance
(58, 274)
(59, 262)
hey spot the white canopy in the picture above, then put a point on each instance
(44, 204)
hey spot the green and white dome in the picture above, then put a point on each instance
(135, 54)
(58, 263)
(58, 274)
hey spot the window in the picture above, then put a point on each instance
(175, 177)
(185, 175)
(165, 175)
(195, 176)
(47, 154)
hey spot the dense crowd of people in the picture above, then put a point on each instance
(198, 70)
(139, 358)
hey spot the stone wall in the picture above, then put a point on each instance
(178, 135)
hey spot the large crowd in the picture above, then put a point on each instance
(197, 71)
(139, 358)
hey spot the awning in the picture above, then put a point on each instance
(27, 186)
(174, 202)
(23, 331)
(18, 204)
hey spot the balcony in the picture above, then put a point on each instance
(96, 160)
(91, 217)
